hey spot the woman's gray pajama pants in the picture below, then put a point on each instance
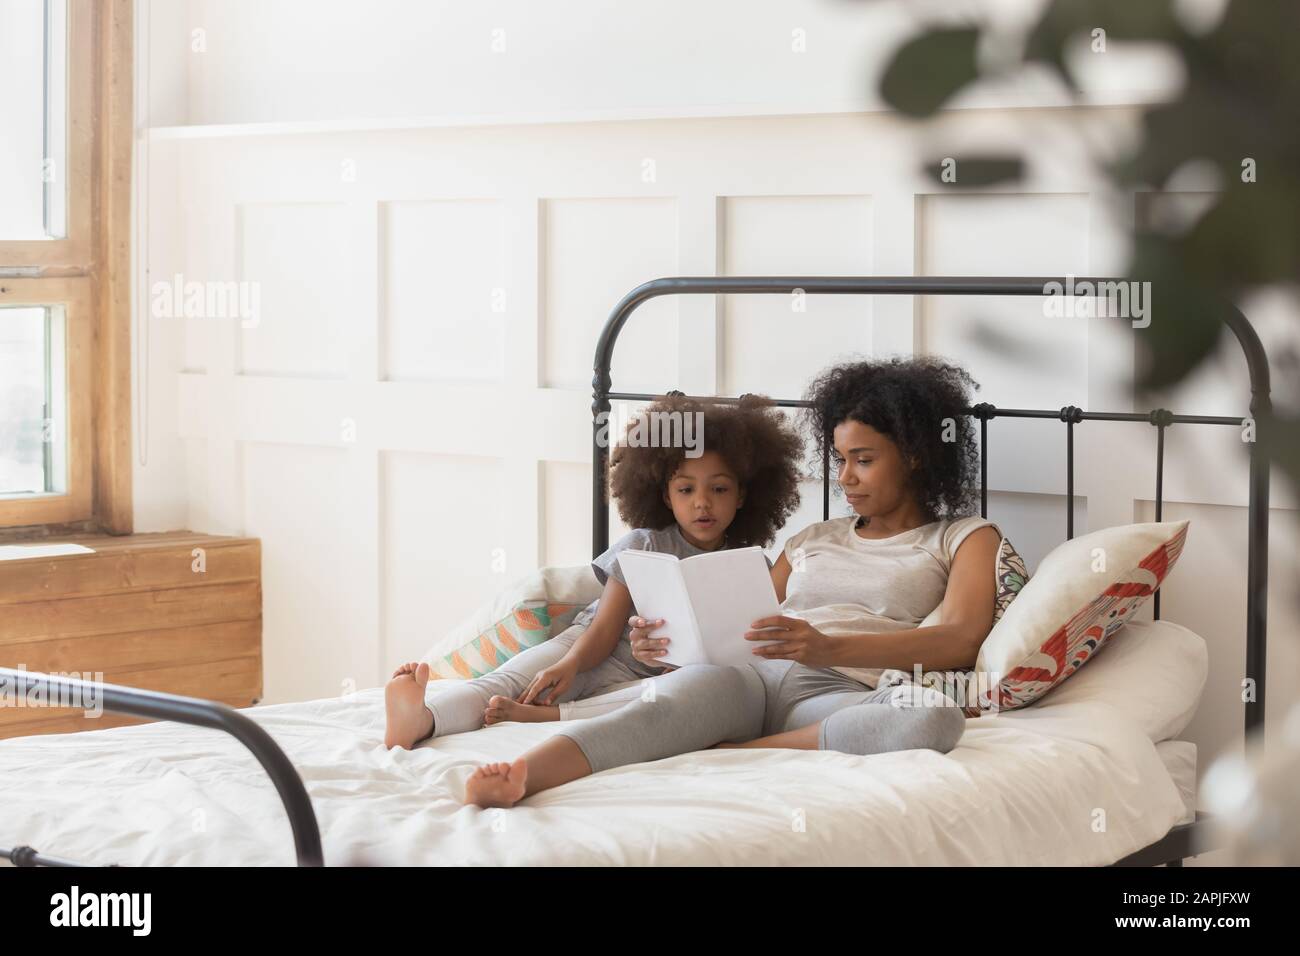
(695, 707)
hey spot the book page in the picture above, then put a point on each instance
(729, 590)
(655, 581)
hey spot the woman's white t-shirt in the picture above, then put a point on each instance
(843, 583)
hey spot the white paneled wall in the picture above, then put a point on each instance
(288, 492)
(444, 289)
(595, 250)
(408, 425)
(444, 534)
(792, 235)
(1005, 341)
(297, 254)
(316, 61)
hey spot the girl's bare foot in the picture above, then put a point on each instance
(409, 721)
(503, 708)
(497, 784)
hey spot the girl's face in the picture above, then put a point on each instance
(704, 494)
(872, 471)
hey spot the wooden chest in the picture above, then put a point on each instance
(177, 612)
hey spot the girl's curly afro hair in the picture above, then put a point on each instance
(917, 403)
(751, 436)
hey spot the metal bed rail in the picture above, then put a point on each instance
(185, 710)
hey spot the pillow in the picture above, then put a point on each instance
(1154, 677)
(528, 611)
(1010, 575)
(1083, 592)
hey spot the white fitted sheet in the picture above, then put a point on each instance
(1179, 758)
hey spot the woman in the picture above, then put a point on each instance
(853, 591)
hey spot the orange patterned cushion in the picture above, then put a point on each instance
(528, 624)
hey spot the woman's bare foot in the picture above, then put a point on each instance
(409, 721)
(503, 708)
(497, 784)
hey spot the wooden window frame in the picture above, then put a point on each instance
(88, 273)
(77, 502)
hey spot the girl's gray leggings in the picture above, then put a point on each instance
(457, 705)
(695, 707)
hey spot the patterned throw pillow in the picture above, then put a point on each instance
(958, 685)
(1011, 578)
(523, 614)
(1083, 593)
(527, 625)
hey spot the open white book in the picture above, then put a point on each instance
(707, 601)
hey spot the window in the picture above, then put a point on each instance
(33, 57)
(45, 402)
(33, 362)
(65, 159)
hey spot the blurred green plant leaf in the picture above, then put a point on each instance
(927, 70)
(1064, 20)
(1185, 324)
(1249, 237)
(979, 170)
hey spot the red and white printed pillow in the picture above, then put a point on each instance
(1082, 593)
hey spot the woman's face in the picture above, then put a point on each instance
(704, 494)
(871, 469)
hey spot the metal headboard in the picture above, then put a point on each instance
(1260, 406)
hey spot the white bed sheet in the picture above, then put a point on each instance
(1179, 758)
(1075, 783)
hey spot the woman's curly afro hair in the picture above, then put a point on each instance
(917, 403)
(750, 435)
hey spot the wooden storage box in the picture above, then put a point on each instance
(176, 612)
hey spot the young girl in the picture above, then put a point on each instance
(737, 491)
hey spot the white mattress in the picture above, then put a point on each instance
(1022, 787)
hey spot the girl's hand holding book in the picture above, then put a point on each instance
(644, 648)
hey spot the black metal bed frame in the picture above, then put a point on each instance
(1184, 839)
(1180, 842)
(185, 710)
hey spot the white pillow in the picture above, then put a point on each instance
(1154, 676)
(1079, 597)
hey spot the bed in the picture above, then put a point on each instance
(1023, 787)
(1093, 774)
